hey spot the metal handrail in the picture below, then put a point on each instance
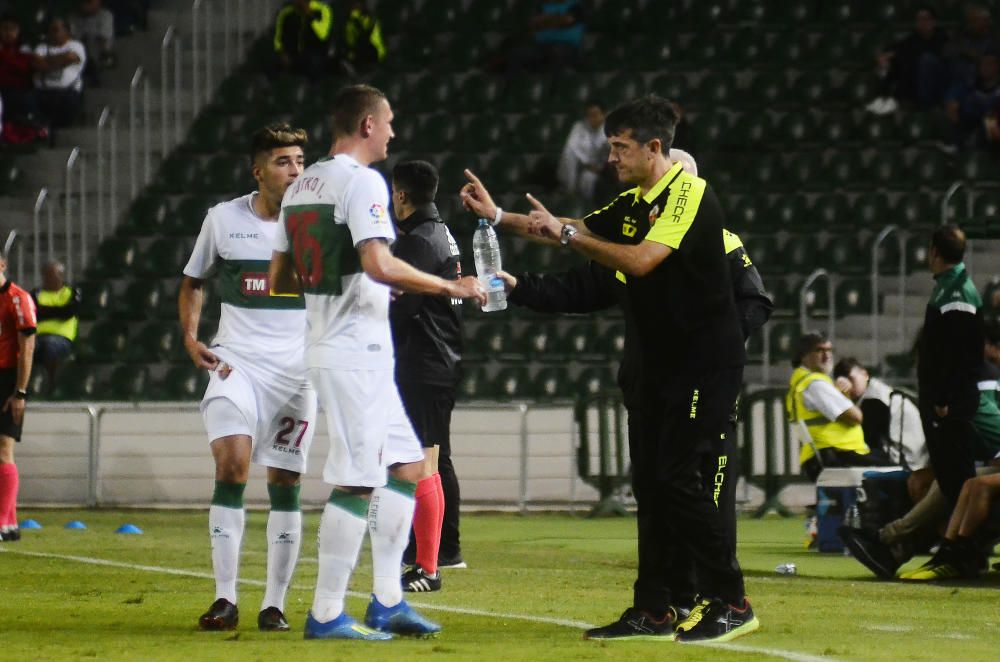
(901, 320)
(195, 57)
(765, 355)
(831, 306)
(103, 181)
(949, 194)
(36, 230)
(139, 77)
(165, 132)
(75, 157)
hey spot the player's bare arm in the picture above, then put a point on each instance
(26, 352)
(477, 199)
(383, 267)
(283, 277)
(189, 301)
(633, 260)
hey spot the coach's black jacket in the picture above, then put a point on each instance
(427, 330)
(592, 287)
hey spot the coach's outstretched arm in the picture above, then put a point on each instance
(189, 300)
(478, 200)
(383, 267)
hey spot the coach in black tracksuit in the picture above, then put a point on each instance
(427, 333)
(592, 287)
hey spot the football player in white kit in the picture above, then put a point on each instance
(259, 405)
(335, 249)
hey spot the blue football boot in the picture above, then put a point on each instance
(401, 619)
(342, 627)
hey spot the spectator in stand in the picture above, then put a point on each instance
(976, 39)
(129, 15)
(891, 425)
(59, 64)
(302, 37)
(94, 26)
(585, 156)
(913, 70)
(556, 35)
(16, 83)
(363, 46)
(969, 106)
(832, 421)
(57, 304)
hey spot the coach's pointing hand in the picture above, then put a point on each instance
(476, 198)
(543, 223)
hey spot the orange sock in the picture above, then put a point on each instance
(8, 496)
(427, 520)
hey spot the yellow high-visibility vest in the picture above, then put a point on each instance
(67, 327)
(824, 432)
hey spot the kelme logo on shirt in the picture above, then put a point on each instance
(255, 285)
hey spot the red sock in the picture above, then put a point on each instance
(8, 494)
(427, 519)
(440, 498)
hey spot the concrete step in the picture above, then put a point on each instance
(912, 305)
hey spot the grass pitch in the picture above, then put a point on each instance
(533, 583)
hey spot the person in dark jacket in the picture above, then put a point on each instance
(949, 358)
(302, 37)
(914, 69)
(427, 335)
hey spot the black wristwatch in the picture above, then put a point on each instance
(567, 232)
(21, 394)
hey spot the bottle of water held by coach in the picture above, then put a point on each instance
(486, 251)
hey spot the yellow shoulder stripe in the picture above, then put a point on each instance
(731, 241)
(678, 211)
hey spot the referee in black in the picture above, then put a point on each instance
(427, 335)
(664, 239)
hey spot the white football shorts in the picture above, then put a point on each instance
(278, 415)
(368, 428)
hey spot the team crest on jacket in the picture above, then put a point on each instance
(654, 214)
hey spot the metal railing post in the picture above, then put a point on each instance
(875, 276)
(146, 137)
(71, 162)
(766, 355)
(178, 86)
(36, 229)
(113, 184)
(522, 499)
(102, 170)
(165, 44)
(948, 195)
(94, 463)
(133, 121)
(831, 306)
(195, 57)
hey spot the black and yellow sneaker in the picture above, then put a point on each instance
(714, 620)
(953, 560)
(636, 624)
(272, 620)
(870, 551)
(222, 615)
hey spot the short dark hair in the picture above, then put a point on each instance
(844, 367)
(949, 241)
(418, 178)
(273, 136)
(807, 343)
(351, 106)
(648, 117)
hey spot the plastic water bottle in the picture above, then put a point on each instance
(486, 251)
(787, 569)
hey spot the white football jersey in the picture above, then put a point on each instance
(258, 329)
(335, 204)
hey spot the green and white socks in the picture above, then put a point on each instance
(226, 519)
(389, 520)
(284, 537)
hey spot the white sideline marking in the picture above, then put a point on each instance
(580, 625)
(888, 628)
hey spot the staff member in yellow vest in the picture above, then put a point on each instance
(58, 306)
(832, 420)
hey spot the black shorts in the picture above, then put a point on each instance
(8, 384)
(429, 407)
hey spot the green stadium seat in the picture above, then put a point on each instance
(140, 299)
(582, 342)
(183, 382)
(919, 127)
(543, 343)
(746, 47)
(877, 130)
(129, 382)
(512, 382)
(148, 216)
(605, 53)
(673, 85)
(794, 130)
(789, 212)
(474, 384)
(764, 252)
(799, 253)
(854, 297)
(431, 93)
(752, 132)
(834, 128)
(478, 93)
(10, 176)
(96, 298)
(179, 173)
(541, 134)
(980, 167)
(917, 246)
(163, 258)
(746, 213)
(508, 173)
(616, 18)
(492, 340)
(226, 174)
(848, 170)
(572, 91)
(242, 91)
(844, 254)
(190, 215)
(593, 380)
(804, 172)
(888, 171)
(784, 337)
(438, 132)
(916, 211)
(789, 47)
(870, 210)
(486, 132)
(209, 132)
(106, 341)
(77, 382)
(525, 94)
(932, 169)
(718, 89)
(620, 89)
(830, 212)
(831, 48)
(115, 257)
(779, 292)
(552, 383)
(611, 344)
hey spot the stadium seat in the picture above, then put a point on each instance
(746, 47)
(552, 383)
(916, 252)
(486, 132)
(226, 174)
(870, 210)
(854, 297)
(778, 290)
(888, 171)
(763, 250)
(525, 94)
(190, 214)
(163, 258)
(491, 341)
(179, 173)
(745, 213)
(932, 168)
(914, 210)
(800, 253)
(610, 345)
(155, 342)
(804, 172)
(239, 92)
(96, 298)
(830, 212)
(77, 382)
(129, 382)
(620, 89)
(478, 93)
(140, 300)
(794, 130)
(512, 382)
(183, 382)
(847, 169)
(542, 343)
(507, 173)
(789, 212)
(582, 343)
(115, 257)
(571, 91)
(105, 341)
(980, 166)
(593, 380)
(431, 93)
(605, 53)
(148, 216)
(784, 336)
(211, 130)
(718, 89)
(844, 254)
(751, 132)
(673, 85)
(541, 134)
(712, 127)
(474, 384)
